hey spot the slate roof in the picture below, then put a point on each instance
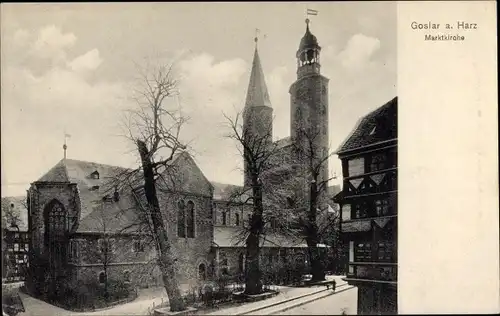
(257, 94)
(79, 172)
(18, 206)
(357, 226)
(234, 236)
(377, 126)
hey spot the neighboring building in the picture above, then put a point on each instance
(369, 209)
(15, 238)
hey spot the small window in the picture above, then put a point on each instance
(94, 175)
(224, 218)
(237, 219)
(138, 246)
(126, 276)
(102, 277)
(16, 247)
(373, 130)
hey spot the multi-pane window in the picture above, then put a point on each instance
(382, 207)
(106, 245)
(57, 220)
(378, 162)
(360, 210)
(181, 219)
(386, 251)
(190, 219)
(363, 252)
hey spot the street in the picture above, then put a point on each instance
(331, 305)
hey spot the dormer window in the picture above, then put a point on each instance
(94, 175)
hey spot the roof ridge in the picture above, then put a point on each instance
(96, 163)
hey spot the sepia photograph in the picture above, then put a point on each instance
(199, 158)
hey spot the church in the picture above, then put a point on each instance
(83, 229)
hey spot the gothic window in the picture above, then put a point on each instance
(190, 219)
(57, 220)
(102, 277)
(202, 272)
(181, 219)
(237, 219)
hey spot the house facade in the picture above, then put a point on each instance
(368, 204)
(15, 239)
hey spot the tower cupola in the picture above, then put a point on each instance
(308, 54)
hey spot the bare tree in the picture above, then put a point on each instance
(313, 161)
(257, 152)
(154, 128)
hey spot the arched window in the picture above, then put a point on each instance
(126, 276)
(102, 277)
(237, 219)
(181, 219)
(241, 261)
(55, 219)
(202, 272)
(190, 219)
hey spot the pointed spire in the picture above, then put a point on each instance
(257, 94)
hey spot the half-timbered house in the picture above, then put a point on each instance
(368, 202)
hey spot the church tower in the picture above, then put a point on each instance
(258, 113)
(309, 105)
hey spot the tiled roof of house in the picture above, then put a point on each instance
(378, 125)
(283, 142)
(234, 236)
(16, 205)
(227, 192)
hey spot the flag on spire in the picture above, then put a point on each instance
(312, 12)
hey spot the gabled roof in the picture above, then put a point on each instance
(17, 206)
(377, 126)
(234, 236)
(257, 94)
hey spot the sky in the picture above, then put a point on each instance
(70, 68)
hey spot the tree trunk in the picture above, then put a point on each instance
(316, 264)
(253, 276)
(166, 259)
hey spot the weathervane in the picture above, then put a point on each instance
(66, 136)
